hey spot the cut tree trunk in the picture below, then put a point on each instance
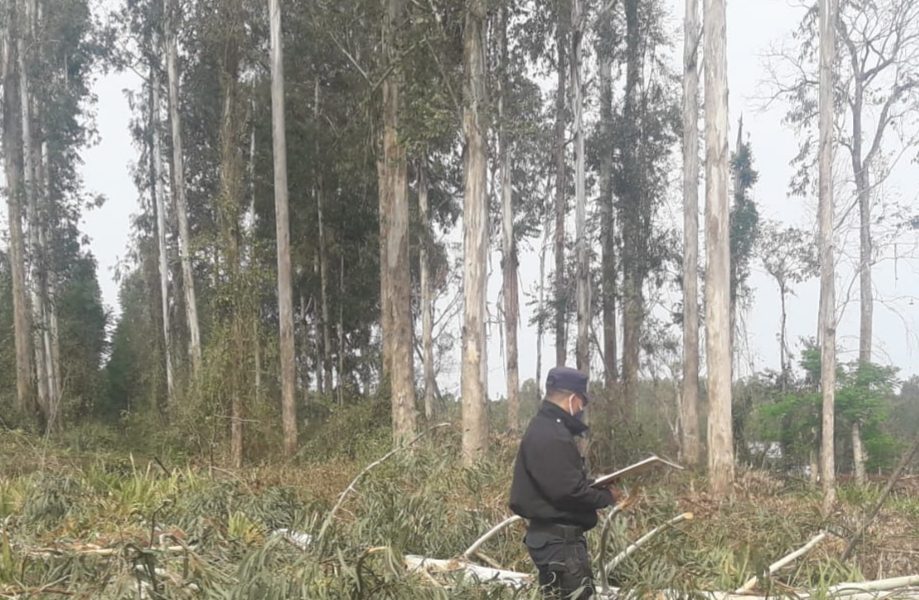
(282, 229)
(178, 175)
(475, 240)
(717, 273)
(689, 404)
(509, 245)
(827, 316)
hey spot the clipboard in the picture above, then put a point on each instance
(639, 468)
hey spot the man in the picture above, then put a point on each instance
(552, 491)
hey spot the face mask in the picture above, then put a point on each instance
(577, 415)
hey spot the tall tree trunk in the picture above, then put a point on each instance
(783, 356)
(13, 165)
(689, 405)
(178, 175)
(541, 324)
(827, 317)
(282, 228)
(30, 185)
(630, 218)
(858, 452)
(607, 207)
(734, 283)
(509, 245)
(326, 353)
(580, 211)
(395, 258)
(427, 292)
(160, 205)
(561, 287)
(324, 297)
(717, 244)
(43, 281)
(229, 208)
(475, 247)
(866, 306)
(341, 330)
(863, 193)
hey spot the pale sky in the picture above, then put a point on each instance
(752, 26)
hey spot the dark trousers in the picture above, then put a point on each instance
(560, 555)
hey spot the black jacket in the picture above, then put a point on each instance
(550, 479)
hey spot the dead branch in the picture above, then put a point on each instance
(905, 460)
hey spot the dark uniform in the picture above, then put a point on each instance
(551, 489)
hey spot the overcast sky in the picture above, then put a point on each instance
(753, 25)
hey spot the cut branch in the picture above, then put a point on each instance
(782, 562)
(489, 534)
(644, 539)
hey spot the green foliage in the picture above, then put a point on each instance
(417, 502)
(744, 220)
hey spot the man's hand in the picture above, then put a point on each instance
(622, 501)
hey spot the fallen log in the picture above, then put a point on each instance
(782, 562)
(900, 588)
(470, 571)
(879, 585)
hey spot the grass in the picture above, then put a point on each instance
(56, 504)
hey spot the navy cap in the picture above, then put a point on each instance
(568, 379)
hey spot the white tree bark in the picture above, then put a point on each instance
(509, 245)
(717, 230)
(858, 453)
(178, 175)
(282, 228)
(160, 205)
(49, 325)
(689, 405)
(12, 159)
(32, 216)
(475, 247)
(827, 316)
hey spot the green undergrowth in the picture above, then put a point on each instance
(106, 525)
